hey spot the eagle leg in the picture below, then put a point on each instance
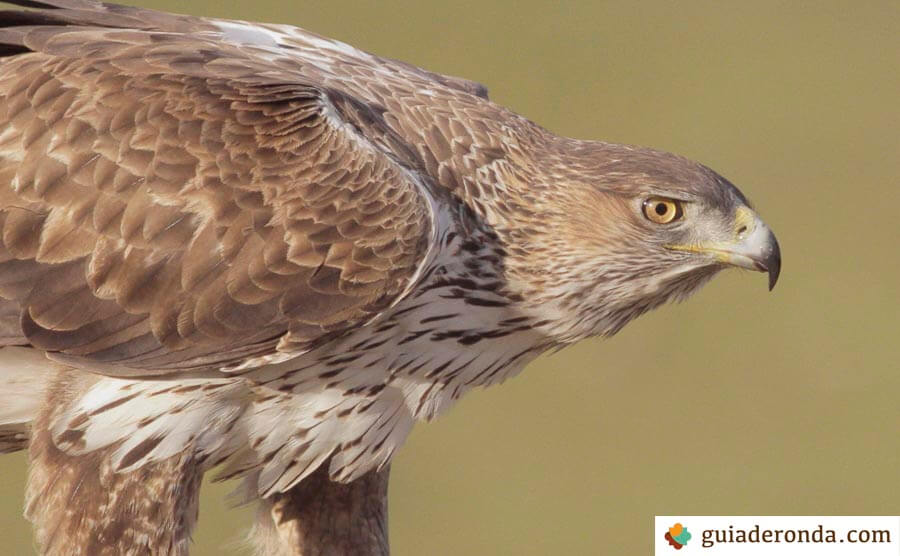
(80, 506)
(320, 517)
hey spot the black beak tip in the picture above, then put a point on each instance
(773, 261)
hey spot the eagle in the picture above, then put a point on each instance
(246, 246)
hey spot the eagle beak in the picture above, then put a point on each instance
(754, 246)
(757, 249)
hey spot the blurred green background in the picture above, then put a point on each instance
(737, 402)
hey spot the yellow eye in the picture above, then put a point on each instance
(662, 211)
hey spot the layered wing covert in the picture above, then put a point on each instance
(170, 202)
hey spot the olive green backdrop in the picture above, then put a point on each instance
(737, 402)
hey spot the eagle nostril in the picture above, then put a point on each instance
(741, 230)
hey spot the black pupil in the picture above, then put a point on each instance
(661, 209)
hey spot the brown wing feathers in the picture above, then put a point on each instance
(168, 202)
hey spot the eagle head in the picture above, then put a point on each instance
(622, 229)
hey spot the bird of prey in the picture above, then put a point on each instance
(245, 245)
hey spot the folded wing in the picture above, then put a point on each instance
(170, 202)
